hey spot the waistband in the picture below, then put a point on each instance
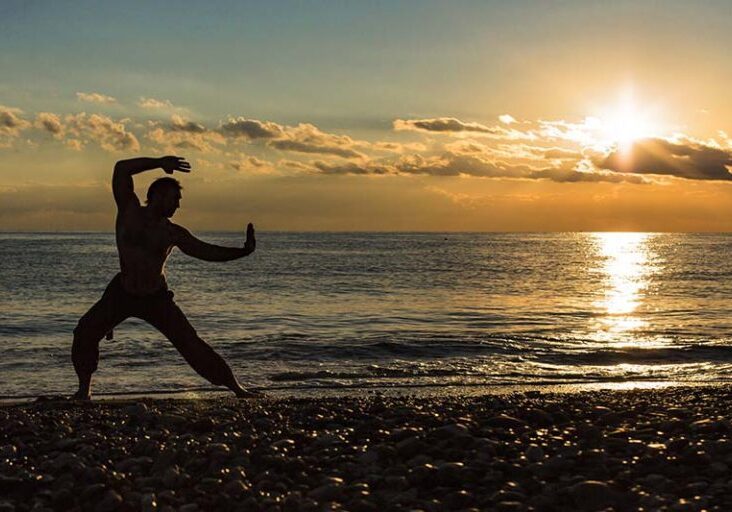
(163, 291)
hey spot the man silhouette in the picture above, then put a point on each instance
(145, 238)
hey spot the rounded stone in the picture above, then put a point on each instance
(110, 502)
(593, 495)
(327, 492)
(534, 453)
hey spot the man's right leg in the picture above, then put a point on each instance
(168, 318)
(98, 321)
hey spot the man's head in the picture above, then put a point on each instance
(164, 196)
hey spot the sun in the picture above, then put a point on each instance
(624, 123)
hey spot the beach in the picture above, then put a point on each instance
(638, 449)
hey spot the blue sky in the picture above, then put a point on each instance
(348, 61)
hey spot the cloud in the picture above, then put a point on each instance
(397, 147)
(252, 165)
(95, 97)
(181, 133)
(294, 164)
(468, 165)
(75, 144)
(154, 104)
(354, 168)
(573, 176)
(250, 128)
(514, 152)
(172, 140)
(178, 124)
(684, 159)
(456, 127)
(470, 147)
(11, 122)
(453, 165)
(560, 154)
(506, 119)
(307, 138)
(109, 134)
(51, 123)
(481, 151)
(303, 138)
(442, 125)
(308, 147)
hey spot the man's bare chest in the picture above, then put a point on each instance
(134, 231)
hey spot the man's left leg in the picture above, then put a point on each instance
(103, 316)
(168, 318)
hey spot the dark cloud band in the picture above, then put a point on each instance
(687, 159)
(443, 125)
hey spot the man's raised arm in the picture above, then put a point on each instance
(122, 185)
(192, 246)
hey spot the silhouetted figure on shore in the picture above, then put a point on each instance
(145, 238)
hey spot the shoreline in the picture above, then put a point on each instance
(355, 390)
(657, 449)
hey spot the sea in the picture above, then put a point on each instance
(370, 311)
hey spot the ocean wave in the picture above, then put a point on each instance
(637, 355)
(369, 372)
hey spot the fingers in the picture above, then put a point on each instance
(183, 165)
(251, 243)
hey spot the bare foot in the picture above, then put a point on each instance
(248, 393)
(81, 395)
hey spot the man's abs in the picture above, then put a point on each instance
(143, 249)
(140, 279)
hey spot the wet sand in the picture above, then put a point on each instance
(645, 449)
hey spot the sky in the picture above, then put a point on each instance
(372, 116)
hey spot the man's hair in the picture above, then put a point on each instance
(161, 184)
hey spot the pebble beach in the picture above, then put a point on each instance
(645, 449)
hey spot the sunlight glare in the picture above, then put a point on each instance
(625, 123)
(626, 266)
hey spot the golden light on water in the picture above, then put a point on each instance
(626, 266)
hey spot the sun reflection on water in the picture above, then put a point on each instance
(626, 267)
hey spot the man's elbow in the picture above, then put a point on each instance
(119, 167)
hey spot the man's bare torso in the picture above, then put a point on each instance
(144, 244)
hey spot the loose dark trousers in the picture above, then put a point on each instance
(159, 310)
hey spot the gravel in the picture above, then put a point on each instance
(667, 449)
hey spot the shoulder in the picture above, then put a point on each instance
(130, 209)
(128, 203)
(178, 233)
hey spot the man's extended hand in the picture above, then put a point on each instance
(251, 242)
(174, 163)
